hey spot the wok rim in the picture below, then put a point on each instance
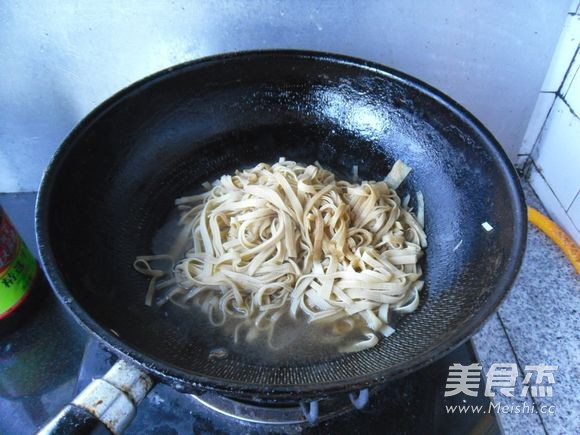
(190, 382)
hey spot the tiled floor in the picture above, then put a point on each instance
(538, 323)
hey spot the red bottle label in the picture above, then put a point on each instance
(17, 268)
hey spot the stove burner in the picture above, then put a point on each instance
(300, 412)
(414, 404)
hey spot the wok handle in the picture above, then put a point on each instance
(106, 405)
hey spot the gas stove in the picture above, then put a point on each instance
(414, 404)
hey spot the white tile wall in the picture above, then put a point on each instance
(537, 120)
(552, 138)
(574, 212)
(562, 217)
(572, 95)
(565, 50)
(564, 66)
(557, 154)
(572, 72)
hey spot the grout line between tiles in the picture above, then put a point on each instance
(541, 131)
(558, 93)
(574, 223)
(527, 167)
(543, 121)
(532, 398)
(547, 184)
(575, 196)
(568, 106)
(539, 136)
(550, 215)
(567, 71)
(571, 80)
(575, 226)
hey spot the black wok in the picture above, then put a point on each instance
(113, 181)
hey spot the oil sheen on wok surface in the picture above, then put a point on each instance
(346, 259)
(123, 170)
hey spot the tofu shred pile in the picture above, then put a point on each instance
(287, 238)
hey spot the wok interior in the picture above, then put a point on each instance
(121, 171)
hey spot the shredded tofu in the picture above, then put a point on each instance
(288, 237)
(397, 175)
